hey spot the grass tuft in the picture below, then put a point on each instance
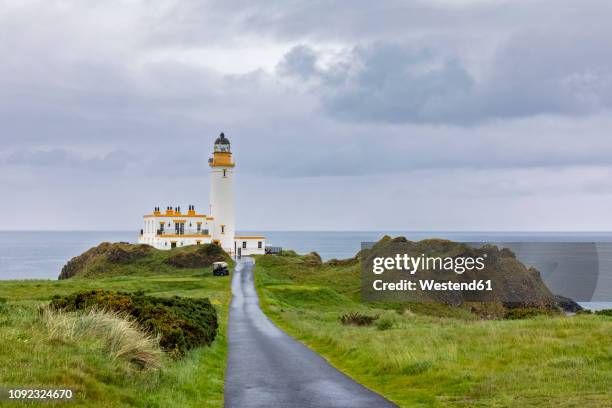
(358, 319)
(118, 335)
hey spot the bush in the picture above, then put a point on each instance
(3, 306)
(357, 319)
(526, 312)
(604, 312)
(312, 259)
(584, 312)
(384, 324)
(343, 262)
(181, 323)
(119, 335)
(199, 256)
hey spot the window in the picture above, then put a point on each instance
(224, 173)
(244, 244)
(223, 229)
(259, 244)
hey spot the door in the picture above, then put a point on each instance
(172, 245)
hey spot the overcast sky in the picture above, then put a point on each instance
(352, 115)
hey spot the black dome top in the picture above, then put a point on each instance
(222, 139)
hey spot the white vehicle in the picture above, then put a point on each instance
(220, 269)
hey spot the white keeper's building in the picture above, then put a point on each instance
(173, 228)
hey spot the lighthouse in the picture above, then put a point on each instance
(222, 194)
(172, 228)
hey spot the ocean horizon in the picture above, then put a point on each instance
(42, 254)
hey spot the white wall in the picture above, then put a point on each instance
(222, 206)
(251, 245)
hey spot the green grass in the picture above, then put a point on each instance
(435, 356)
(30, 358)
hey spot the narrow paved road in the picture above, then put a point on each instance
(267, 368)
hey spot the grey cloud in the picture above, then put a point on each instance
(370, 100)
(529, 75)
(115, 160)
(299, 61)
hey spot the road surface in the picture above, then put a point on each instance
(268, 368)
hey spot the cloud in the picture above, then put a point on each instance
(329, 108)
(300, 61)
(395, 83)
(115, 160)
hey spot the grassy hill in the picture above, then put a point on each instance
(433, 355)
(113, 259)
(38, 359)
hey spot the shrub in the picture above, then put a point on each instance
(288, 252)
(343, 262)
(357, 319)
(312, 259)
(182, 323)
(200, 256)
(604, 312)
(526, 312)
(3, 306)
(384, 324)
(584, 312)
(119, 335)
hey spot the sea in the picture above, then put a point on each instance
(42, 254)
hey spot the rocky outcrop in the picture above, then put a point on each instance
(514, 285)
(113, 253)
(567, 305)
(115, 259)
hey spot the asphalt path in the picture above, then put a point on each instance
(268, 368)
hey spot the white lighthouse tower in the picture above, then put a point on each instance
(222, 194)
(173, 228)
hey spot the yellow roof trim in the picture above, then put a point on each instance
(182, 236)
(174, 215)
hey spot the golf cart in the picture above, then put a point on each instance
(220, 269)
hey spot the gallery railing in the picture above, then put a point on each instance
(163, 232)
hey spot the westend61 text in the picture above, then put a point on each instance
(432, 285)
